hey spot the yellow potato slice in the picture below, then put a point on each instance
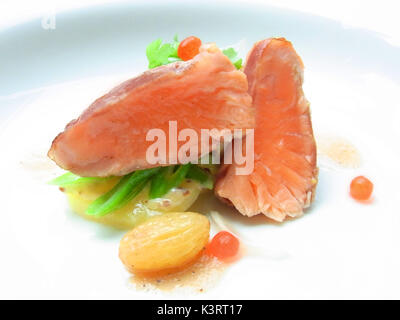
(137, 210)
(165, 242)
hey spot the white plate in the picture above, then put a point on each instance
(339, 249)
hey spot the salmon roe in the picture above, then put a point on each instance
(189, 48)
(361, 188)
(224, 245)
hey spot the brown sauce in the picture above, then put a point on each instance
(199, 277)
(339, 150)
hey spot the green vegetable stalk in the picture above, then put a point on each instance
(125, 190)
(161, 179)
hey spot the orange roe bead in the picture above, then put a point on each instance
(189, 48)
(224, 245)
(361, 188)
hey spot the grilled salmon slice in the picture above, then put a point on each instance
(285, 174)
(109, 138)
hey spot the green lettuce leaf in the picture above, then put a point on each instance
(159, 54)
(232, 55)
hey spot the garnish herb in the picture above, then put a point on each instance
(232, 55)
(159, 53)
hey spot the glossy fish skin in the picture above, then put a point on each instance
(285, 173)
(109, 138)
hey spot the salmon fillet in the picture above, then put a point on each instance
(109, 138)
(285, 174)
